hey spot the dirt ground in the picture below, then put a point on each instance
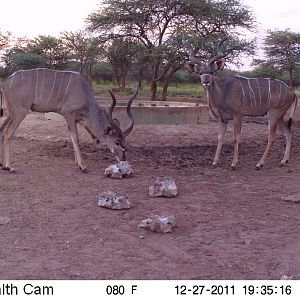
(229, 224)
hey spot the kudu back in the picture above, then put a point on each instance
(234, 97)
(68, 94)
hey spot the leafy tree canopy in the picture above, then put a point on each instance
(158, 26)
(282, 49)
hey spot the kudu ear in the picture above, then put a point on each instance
(108, 130)
(219, 64)
(191, 67)
(117, 122)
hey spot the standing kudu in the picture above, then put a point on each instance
(68, 94)
(234, 97)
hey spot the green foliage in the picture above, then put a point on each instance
(185, 89)
(194, 90)
(27, 60)
(264, 70)
(83, 48)
(282, 49)
(158, 26)
(122, 54)
(51, 49)
(102, 72)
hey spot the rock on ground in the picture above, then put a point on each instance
(163, 187)
(110, 200)
(119, 170)
(291, 198)
(163, 224)
(4, 220)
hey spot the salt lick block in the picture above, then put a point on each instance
(110, 200)
(119, 170)
(162, 224)
(163, 187)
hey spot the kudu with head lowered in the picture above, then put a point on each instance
(68, 94)
(234, 97)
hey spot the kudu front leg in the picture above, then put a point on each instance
(221, 134)
(8, 132)
(75, 141)
(1, 150)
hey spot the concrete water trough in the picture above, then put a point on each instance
(156, 112)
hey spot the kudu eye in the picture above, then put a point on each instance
(118, 143)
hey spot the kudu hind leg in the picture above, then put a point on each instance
(2, 129)
(237, 126)
(221, 134)
(286, 131)
(271, 140)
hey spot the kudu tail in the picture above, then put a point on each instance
(1, 104)
(292, 111)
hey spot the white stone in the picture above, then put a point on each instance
(163, 187)
(119, 170)
(4, 220)
(291, 198)
(110, 200)
(286, 277)
(162, 224)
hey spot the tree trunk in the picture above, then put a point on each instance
(140, 78)
(291, 78)
(165, 88)
(153, 90)
(123, 82)
(154, 82)
(117, 77)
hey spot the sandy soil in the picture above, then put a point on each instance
(229, 224)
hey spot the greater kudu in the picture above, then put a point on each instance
(66, 93)
(234, 97)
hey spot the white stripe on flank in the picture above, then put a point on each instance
(22, 82)
(66, 90)
(258, 92)
(238, 76)
(279, 94)
(243, 93)
(42, 85)
(12, 79)
(251, 93)
(52, 88)
(270, 95)
(36, 87)
(62, 78)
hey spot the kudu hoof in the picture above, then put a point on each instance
(214, 166)
(9, 169)
(258, 167)
(233, 168)
(84, 171)
(284, 163)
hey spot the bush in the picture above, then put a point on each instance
(27, 60)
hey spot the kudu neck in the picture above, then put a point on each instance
(97, 120)
(214, 90)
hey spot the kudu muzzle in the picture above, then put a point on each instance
(206, 79)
